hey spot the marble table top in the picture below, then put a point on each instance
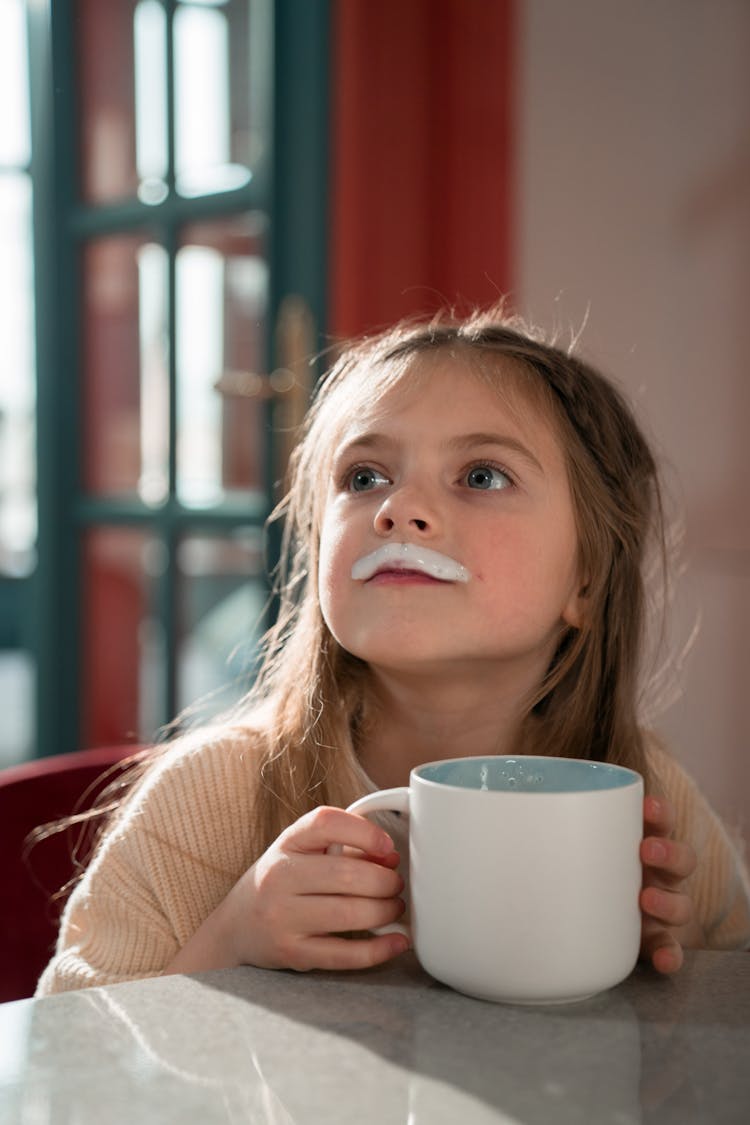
(388, 1045)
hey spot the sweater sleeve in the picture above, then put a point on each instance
(182, 842)
(719, 886)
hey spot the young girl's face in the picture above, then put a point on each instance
(448, 535)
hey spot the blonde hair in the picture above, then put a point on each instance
(586, 706)
(304, 713)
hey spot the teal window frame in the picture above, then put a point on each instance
(62, 224)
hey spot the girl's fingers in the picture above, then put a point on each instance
(392, 860)
(667, 911)
(317, 830)
(658, 816)
(321, 915)
(668, 907)
(343, 875)
(340, 953)
(663, 951)
(670, 858)
(311, 875)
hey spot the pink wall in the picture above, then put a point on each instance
(633, 207)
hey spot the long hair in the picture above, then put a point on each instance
(587, 704)
(304, 714)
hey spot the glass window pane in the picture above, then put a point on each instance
(125, 373)
(15, 136)
(123, 642)
(221, 333)
(121, 68)
(222, 52)
(222, 594)
(18, 514)
(150, 38)
(17, 702)
(17, 388)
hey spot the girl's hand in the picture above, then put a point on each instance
(288, 908)
(668, 924)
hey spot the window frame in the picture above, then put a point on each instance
(62, 225)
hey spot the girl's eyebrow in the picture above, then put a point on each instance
(460, 442)
(470, 441)
(365, 441)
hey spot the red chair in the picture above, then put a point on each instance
(31, 794)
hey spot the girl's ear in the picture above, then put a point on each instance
(574, 610)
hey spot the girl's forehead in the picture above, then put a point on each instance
(445, 377)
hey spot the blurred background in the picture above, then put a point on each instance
(195, 197)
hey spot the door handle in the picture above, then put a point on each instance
(289, 386)
(292, 381)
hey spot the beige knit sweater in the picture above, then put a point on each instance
(186, 837)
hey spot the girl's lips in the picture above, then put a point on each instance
(400, 559)
(404, 578)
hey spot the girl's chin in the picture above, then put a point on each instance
(423, 663)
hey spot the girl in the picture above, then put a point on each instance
(466, 529)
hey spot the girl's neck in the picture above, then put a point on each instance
(408, 721)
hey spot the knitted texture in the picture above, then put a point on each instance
(719, 886)
(186, 836)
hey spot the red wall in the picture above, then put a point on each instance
(422, 157)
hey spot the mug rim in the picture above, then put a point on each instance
(634, 778)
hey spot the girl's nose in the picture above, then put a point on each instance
(403, 510)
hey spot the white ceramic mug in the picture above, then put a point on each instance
(525, 874)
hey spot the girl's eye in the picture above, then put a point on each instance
(487, 477)
(364, 479)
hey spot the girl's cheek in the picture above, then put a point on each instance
(325, 582)
(332, 569)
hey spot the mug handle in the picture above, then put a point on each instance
(384, 800)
